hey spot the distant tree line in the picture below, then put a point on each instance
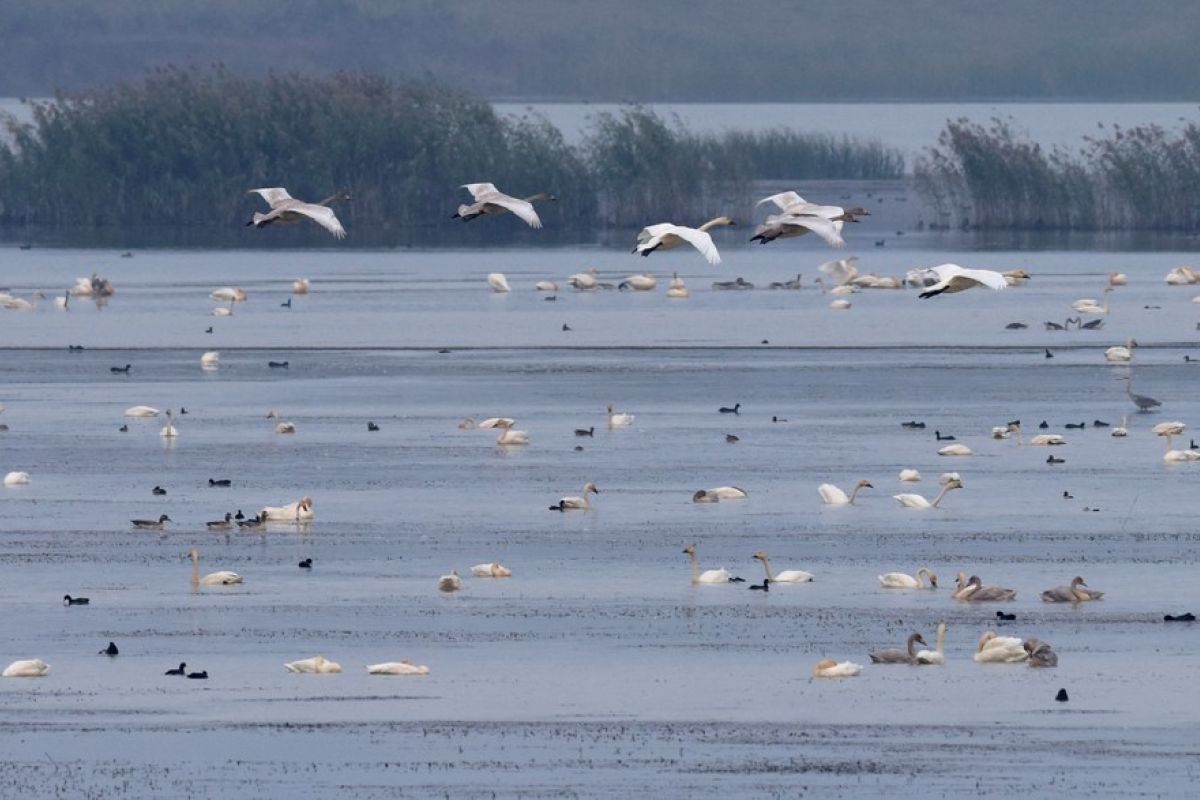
(181, 147)
(990, 176)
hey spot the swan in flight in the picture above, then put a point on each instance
(953, 278)
(169, 431)
(902, 580)
(142, 411)
(299, 511)
(511, 436)
(937, 656)
(832, 669)
(721, 575)
(493, 569)
(793, 203)
(16, 478)
(287, 209)
(397, 668)
(26, 668)
(616, 420)
(580, 503)
(222, 578)
(490, 200)
(450, 583)
(909, 475)
(785, 226)
(833, 496)
(917, 501)
(973, 590)
(1077, 592)
(954, 450)
(498, 282)
(995, 649)
(318, 665)
(1119, 353)
(666, 236)
(897, 656)
(787, 576)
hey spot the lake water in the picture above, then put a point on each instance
(597, 669)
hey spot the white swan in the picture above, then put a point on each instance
(299, 511)
(301, 286)
(317, 665)
(1183, 276)
(1016, 277)
(493, 569)
(902, 580)
(994, 649)
(1121, 354)
(27, 668)
(1182, 455)
(498, 282)
(397, 668)
(227, 294)
(16, 478)
(450, 583)
(917, 501)
(709, 575)
(937, 656)
(222, 578)
(490, 200)
(584, 281)
(909, 475)
(666, 236)
(832, 669)
(1121, 430)
(510, 436)
(169, 431)
(839, 305)
(142, 411)
(844, 289)
(1169, 430)
(787, 576)
(287, 209)
(787, 224)
(617, 420)
(580, 503)
(833, 496)
(642, 282)
(728, 493)
(954, 450)
(841, 271)
(1048, 440)
(223, 311)
(210, 360)
(1117, 279)
(282, 426)
(677, 288)
(546, 286)
(1091, 306)
(946, 477)
(495, 422)
(953, 278)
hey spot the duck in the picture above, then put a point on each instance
(586, 431)
(221, 524)
(151, 524)
(450, 583)
(1098, 423)
(279, 364)
(121, 370)
(765, 586)
(913, 425)
(938, 435)
(489, 201)
(1002, 617)
(937, 656)
(26, 668)
(734, 409)
(253, 522)
(75, 601)
(299, 511)
(372, 427)
(917, 501)
(492, 569)
(828, 668)
(222, 578)
(198, 676)
(973, 590)
(721, 575)
(787, 576)
(833, 496)
(181, 670)
(1077, 592)
(511, 437)
(1050, 459)
(111, 650)
(1188, 617)
(397, 668)
(221, 483)
(317, 665)
(902, 580)
(158, 491)
(305, 563)
(580, 503)
(1040, 653)
(142, 411)
(16, 478)
(897, 656)
(618, 420)
(169, 430)
(996, 649)
(738, 284)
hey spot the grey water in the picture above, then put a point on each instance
(598, 669)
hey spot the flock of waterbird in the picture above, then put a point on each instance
(794, 217)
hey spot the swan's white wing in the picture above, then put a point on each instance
(699, 240)
(814, 210)
(783, 200)
(827, 230)
(323, 216)
(984, 277)
(273, 196)
(652, 231)
(522, 208)
(477, 189)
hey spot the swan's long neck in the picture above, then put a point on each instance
(586, 499)
(695, 568)
(941, 494)
(854, 492)
(195, 570)
(712, 223)
(767, 567)
(912, 647)
(941, 639)
(922, 572)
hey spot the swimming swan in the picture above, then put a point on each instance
(16, 478)
(142, 411)
(974, 591)
(493, 569)
(301, 286)
(643, 282)
(832, 669)
(169, 431)
(937, 656)
(223, 578)
(299, 511)
(580, 503)
(1121, 354)
(787, 576)
(995, 649)
(833, 496)
(210, 359)
(318, 665)
(616, 420)
(450, 583)
(28, 668)
(902, 580)
(954, 450)
(897, 656)
(225, 294)
(498, 282)
(510, 436)
(1040, 654)
(1075, 593)
(909, 475)
(917, 501)
(721, 575)
(397, 668)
